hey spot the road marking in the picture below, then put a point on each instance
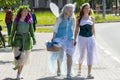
(115, 58)
(109, 53)
(101, 47)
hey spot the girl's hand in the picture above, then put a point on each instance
(75, 43)
(52, 39)
(34, 42)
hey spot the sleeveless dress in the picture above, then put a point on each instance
(86, 52)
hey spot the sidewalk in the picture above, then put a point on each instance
(108, 69)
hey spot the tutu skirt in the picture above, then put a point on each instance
(86, 52)
(23, 56)
(67, 47)
(54, 57)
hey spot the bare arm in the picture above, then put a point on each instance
(76, 31)
(74, 23)
(54, 34)
(93, 28)
(55, 28)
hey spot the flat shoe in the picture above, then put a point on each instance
(90, 76)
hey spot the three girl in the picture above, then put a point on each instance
(63, 34)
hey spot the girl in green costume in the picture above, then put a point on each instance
(22, 38)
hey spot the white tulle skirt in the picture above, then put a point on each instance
(67, 45)
(24, 57)
(86, 52)
(66, 48)
(54, 57)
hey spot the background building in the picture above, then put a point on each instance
(45, 3)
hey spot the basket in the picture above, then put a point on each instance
(52, 46)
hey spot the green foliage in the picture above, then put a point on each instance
(9, 3)
(2, 17)
(109, 3)
(47, 18)
(80, 2)
(21, 7)
(24, 7)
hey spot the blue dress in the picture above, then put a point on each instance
(64, 37)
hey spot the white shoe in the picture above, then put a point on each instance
(19, 77)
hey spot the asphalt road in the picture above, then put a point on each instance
(108, 38)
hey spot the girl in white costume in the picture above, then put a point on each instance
(63, 34)
(86, 39)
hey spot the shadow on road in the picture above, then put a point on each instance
(53, 78)
(5, 62)
(34, 50)
(9, 79)
(6, 50)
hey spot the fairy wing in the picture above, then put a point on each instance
(74, 5)
(54, 8)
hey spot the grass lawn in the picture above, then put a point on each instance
(109, 18)
(43, 18)
(2, 18)
(47, 18)
(47, 29)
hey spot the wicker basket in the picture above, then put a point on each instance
(52, 47)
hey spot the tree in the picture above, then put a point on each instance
(80, 2)
(9, 3)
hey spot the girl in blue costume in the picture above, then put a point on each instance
(63, 34)
(86, 39)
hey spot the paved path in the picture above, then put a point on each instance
(108, 69)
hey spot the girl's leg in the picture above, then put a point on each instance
(18, 62)
(69, 65)
(89, 72)
(20, 67)
(59, 61)
(79, 69)
(58, 68)
(89, 69)
(81, 59)
(2, 38)
(90, 61)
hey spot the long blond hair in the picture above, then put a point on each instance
(65, 10)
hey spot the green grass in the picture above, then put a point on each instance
(47, 29)
(45, 18)
(109, 18)
(2, 17)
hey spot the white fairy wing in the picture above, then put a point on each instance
(54, 8)
(74, 5)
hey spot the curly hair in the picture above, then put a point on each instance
(28, 18)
